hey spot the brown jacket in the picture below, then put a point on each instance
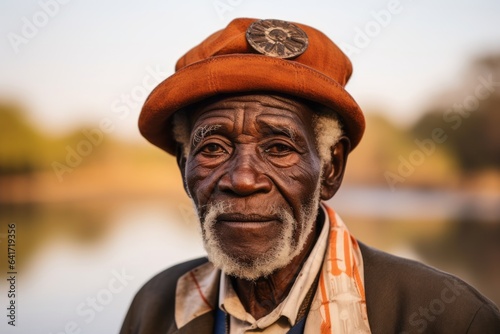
(402, 296)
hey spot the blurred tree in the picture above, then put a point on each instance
(382, 150)
(471, 122)
(24, 148)
(19, 141)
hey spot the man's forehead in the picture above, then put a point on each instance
(267, 106)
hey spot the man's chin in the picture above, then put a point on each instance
(247, 267)
(247, 270)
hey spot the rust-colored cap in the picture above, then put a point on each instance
(227, 62)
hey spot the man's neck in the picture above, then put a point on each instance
(263, 295)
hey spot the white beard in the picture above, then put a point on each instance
(285, 248)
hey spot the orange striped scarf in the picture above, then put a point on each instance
(339, 305)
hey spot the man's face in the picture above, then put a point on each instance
(253, 173)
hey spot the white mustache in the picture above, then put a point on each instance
(222, 210)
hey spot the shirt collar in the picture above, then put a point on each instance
(196, 293)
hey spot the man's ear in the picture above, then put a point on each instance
(181, 162)
(333, 170)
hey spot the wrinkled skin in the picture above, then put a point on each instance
(259, 153)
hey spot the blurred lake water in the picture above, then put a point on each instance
(80, 263)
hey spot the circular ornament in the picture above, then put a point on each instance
(277, 38)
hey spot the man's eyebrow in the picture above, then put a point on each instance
(288, 131)
(200, 133)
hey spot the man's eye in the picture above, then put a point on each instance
(278, 149)
(212, 148)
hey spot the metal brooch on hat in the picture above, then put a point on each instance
(277, 38)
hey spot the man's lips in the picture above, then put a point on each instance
(245, 218)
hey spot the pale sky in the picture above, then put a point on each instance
(84, 56)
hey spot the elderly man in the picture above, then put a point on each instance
(261, 125)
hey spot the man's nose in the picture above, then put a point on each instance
(244, 176)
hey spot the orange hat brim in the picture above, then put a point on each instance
(240, 73)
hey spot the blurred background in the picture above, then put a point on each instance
(98, 210)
